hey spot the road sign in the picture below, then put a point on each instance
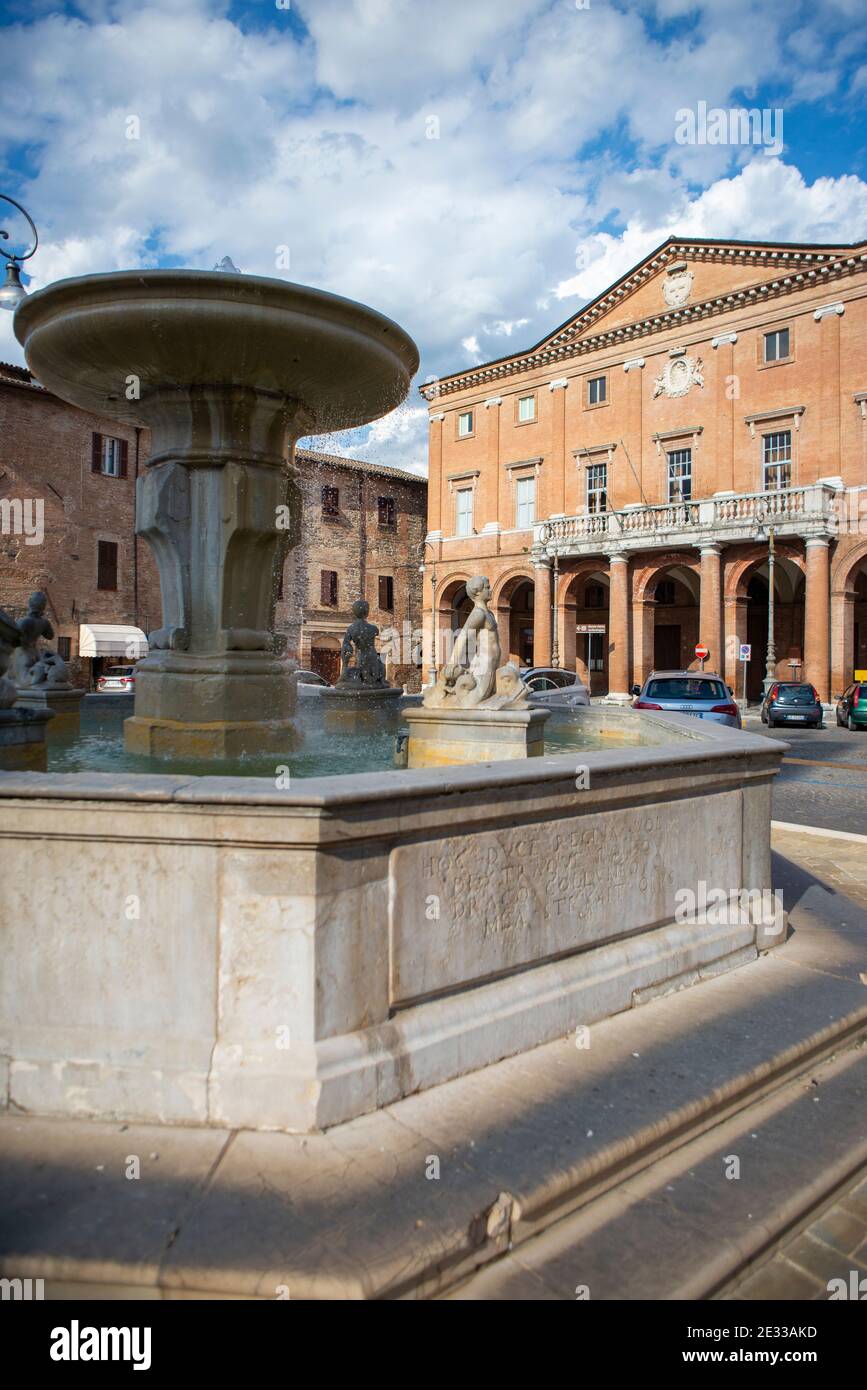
(702, 652)
(746, 652)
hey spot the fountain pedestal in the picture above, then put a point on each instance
(442, 738)
(22, 739)
(227, 371)
(63, 703)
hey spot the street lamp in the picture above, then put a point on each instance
(432, 669)
(12, 291)
(766, 533)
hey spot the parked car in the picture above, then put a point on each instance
(311, 678)
(117, 680)
(703, 694)
(852, 707)
(792, 702)
(552, 687)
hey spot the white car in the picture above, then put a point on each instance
(553, 688)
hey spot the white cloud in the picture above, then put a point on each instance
(552, 122)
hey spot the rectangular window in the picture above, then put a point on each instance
(328, 588)
(465, 512)
(777, 460)
(64, 647)
(106, 565)
(465, 423)
(595, 651)
(386, 511)
(597, 487)
(596, 390)
(777, 345)
(680, 475)
(526, 409)
(108, 455)
(526, 503)
(331, 501)
(386, 593)
(594, 597)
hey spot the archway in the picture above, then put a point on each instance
(514, 603)
(675, 619)
(453, 607)
(848, 618)
(585, 636)
(789, 587)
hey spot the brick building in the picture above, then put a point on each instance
(362, 533)
(618, 481)
(78, 473)
(67, 506)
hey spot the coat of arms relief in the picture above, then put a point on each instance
(678, 376)
(676, 286)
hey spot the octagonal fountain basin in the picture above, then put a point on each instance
(289, 951)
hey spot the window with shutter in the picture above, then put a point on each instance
(328, 588)
(106, 565)
(386, 511)
(330, 501)
(386, 593)
(96, 453)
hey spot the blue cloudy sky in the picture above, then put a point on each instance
(265, 125)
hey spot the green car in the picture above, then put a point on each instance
(852, 706)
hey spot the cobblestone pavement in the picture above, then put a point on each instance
(823, 780)
(832, 1246)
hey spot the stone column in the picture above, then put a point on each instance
(618, 630)
(817, 616)
(710, 611)
(542, 614)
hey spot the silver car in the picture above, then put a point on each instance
(703, 694)
(552, 688)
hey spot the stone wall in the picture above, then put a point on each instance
(287, 959)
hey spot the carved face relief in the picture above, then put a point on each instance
(676, 288)
(678, 376)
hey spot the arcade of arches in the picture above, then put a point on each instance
(620, 616)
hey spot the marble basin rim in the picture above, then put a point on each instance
(337, 364)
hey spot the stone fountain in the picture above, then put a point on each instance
(476, 710)
(227, 371)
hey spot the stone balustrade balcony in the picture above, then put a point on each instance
(820, 509)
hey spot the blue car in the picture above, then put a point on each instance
(700, 693)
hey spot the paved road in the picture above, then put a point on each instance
(824, 776)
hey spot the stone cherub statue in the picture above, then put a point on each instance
(31, 665)
(359, 642)
(474, 677)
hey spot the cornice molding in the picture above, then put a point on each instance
(810, 268)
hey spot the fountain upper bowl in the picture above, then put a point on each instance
(105, 342)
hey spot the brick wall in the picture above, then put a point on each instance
(46, 449)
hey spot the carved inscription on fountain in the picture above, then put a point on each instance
(466, 908)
